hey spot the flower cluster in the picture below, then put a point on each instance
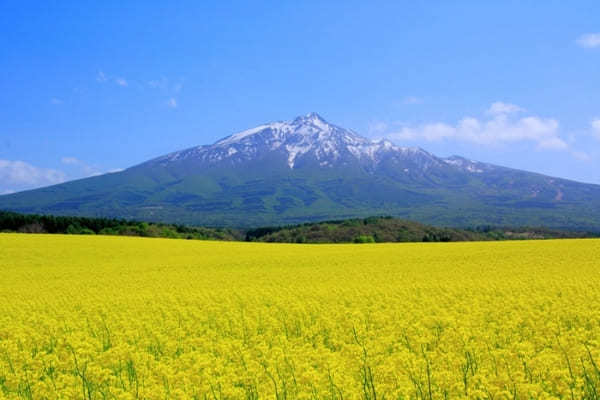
(131, 318)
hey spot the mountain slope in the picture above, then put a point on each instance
(307, 170)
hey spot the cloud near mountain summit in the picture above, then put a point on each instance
(500, 125)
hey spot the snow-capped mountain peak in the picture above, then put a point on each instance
(310, 118)
(308, 137)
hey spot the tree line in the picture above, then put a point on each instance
(34, 223)
(357, 230)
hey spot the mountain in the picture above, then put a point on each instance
(308, 170)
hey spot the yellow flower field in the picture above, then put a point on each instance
(123, 318)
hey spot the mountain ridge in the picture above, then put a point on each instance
(308, 170)
(298, 137)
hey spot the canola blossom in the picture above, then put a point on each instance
(131, 318)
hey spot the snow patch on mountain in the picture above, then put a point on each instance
(294, 151)
(467, 165)
(311, 136)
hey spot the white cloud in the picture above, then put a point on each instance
(581, 155)
(21, 175)
(121, 82)
(172, 102)
(589, 40)
(499, 128)
(553, 143)
(69, 160)
(499, 108)
(55, 101)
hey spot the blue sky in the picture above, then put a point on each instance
(89, 87)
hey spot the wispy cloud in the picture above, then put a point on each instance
(596, 127)
(56, 101)
(121, 82)
(69, 160)
(581, 155)
(162, 83)
(84, 170)
(166, 84)
(78, 168)
(378, 128)
(500, 108)
(500, 127)
(118, 80)
(412, 100)
(101, 77)
(166, 88)
(589, 40)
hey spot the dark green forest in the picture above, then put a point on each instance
(388, 229)
(33, 223)
(359, 230)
